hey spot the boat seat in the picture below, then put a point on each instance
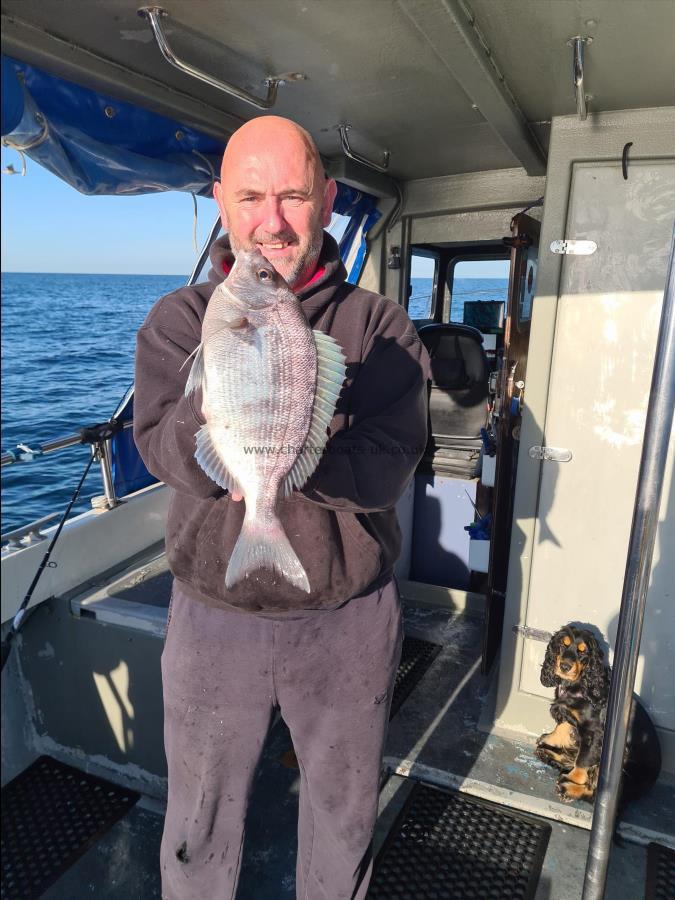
(457, 398)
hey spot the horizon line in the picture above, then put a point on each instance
(157, 274)
(184, 275)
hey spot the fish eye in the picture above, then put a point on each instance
(567, 640)
(582, 648)
(264, 275)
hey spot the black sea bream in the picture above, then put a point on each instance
(269, 386)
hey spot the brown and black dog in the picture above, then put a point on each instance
(574, 664)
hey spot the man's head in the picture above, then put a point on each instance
(273, 195)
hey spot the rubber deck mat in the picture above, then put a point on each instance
(416, 658)
(51, 814)
(660, 883)
(446, 845)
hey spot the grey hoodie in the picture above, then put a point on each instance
(342, 525)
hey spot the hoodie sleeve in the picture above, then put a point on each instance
(165, 421)
(366, 467)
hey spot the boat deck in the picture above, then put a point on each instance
(434, 737)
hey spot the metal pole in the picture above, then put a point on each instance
(213, 234)
(636, 581)
(103, 453)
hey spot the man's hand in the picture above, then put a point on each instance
(236, 496)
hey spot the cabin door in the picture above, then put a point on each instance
(606, 325)
(510, 388)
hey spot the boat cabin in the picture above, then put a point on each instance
(535, 138)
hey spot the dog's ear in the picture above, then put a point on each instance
(595, 676)
(547, 675)
(594, 645)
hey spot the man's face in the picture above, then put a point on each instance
(272, 197)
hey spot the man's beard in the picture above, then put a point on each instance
(290, 270)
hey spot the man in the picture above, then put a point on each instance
(327, 659)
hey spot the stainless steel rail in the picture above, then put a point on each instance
(344, 140)
(154, 15)
(24, 453)
(636, 581)
(213, 234)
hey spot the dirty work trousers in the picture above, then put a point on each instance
(331, 673)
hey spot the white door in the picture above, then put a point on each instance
(605, 338)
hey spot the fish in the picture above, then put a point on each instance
(270, 384)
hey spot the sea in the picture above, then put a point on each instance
(68, 360)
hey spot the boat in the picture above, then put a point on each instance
(533, 135)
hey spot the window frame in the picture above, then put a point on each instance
(450, 278)
(425, 254)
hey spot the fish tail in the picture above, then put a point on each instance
(265, 547)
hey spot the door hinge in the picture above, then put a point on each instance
(574, 248)
(550, 454)
(521, 240)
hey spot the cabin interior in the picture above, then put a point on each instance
(462, 125)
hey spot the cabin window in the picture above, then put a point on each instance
(422, 287)
(528, 274)
(477, 293)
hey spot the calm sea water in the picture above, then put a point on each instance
(67, 360)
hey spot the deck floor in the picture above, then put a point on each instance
(437, 730)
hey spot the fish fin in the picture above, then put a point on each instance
(331, 371)
(208, 458)
(196, 376)
(265, 547)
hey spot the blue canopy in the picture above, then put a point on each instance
(98, 144)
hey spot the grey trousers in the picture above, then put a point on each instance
(331, 673)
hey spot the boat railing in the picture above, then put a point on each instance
(99, 437)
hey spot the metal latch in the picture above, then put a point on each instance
(534, 634)
(550, 454)
(574, 248)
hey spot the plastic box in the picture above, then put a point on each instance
(488, 468)
(479, 556)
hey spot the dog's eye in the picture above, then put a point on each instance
(582, 648)
(567, 640)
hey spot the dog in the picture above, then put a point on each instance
(574, 664)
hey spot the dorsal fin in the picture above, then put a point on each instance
(330, 377)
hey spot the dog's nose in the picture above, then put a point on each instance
(565, 666)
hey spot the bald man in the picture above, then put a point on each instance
(327, 660)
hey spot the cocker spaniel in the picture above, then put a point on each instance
(574, 664)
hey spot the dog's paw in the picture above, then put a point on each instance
(562, 790)
(553, 756)
(569, 791)
(544, 754)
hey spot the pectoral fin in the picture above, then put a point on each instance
(196, 376)
(208, 458)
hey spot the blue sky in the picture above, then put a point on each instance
(47, 226)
